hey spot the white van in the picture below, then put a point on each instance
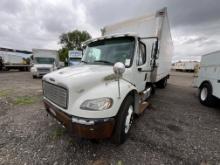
(208, 80)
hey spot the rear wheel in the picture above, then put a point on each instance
(205, 95)
(162, 83)
(34, 77)
(124, 121)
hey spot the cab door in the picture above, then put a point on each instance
(140, 77)
(144, 61)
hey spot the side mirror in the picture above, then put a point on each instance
(119, 69)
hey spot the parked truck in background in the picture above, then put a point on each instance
(118, 72)
(185, 66)
(208, 80)
(74, 57)
(44, 61)
(14, 59)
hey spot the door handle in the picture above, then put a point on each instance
(139, 69)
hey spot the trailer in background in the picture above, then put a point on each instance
(15, 59)
(185, 66)
(208, 80)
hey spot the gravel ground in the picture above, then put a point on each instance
(175, 129)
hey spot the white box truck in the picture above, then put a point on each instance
(44, 61)
(99, 97)
(185, 66)
(15, 59)
(208, 80)
(74, 57)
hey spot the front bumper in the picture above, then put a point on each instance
(85, 128)
(38, 74)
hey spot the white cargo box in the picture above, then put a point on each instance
(45, 53)
(75, 54)
(155, 25)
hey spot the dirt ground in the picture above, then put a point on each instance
(176, 129)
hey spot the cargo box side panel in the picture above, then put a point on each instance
(11, 57)
(210, 70)
(164, 60)
(45, 53)
(143, 26)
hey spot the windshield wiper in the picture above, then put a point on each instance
(106, 62)
(84, 62)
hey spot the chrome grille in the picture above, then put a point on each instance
(43, 70)
(56, 94)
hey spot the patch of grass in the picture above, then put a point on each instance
(120, 162)
(24, 100)
(71, 141)
(57, 133)
(5, 92)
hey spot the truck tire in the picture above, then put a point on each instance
(162, 83)
(205, 95)
(124, 121)
(34, 77)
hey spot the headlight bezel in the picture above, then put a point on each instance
(98, 104)
(33, 69)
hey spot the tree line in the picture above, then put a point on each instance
(71, 41)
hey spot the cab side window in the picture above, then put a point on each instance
(142, 54)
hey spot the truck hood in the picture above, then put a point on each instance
(80, 77)
(43, 65)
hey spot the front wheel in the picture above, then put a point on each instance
(205, 95)
(124, 121)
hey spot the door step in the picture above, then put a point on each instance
(143, 106)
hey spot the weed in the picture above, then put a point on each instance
(24, 100)
(120, 162)
(57, 133)
(5, 92)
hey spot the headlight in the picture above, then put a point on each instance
(97, 104)
(33, 69)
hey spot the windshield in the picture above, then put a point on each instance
(110, 51)
(74, 61)
(43, 60)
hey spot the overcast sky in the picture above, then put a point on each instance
(27, 24)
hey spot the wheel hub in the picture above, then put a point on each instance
(128, 120)
(204, 94)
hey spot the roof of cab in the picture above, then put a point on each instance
(109, 36)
